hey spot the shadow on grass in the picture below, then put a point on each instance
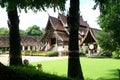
(103, 79)
(112, 75)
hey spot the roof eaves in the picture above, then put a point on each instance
(58, 35)
(52, 23)
(89, 30)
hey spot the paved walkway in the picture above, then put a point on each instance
(4, 58)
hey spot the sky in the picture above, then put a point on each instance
(88, 13)
(40, 18)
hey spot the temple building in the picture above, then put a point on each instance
(57, 35)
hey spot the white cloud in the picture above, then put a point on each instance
(89, 14)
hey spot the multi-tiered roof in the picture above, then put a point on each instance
(58, 29)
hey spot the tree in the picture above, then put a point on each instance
(74, 66)
(106, 42)
(22, 32)
(110, 20)
(14, 37)
(13, 21)
(34, 31)
(100, 4)
(4, 31)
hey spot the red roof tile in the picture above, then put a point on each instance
(56, 23)
(4, 41)
(63, 35)
(83, 23)
(25, 40)
(62, 18)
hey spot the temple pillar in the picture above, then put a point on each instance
(33, 48)
(23, 48)
(28, 48)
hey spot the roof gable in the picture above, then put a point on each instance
(63, 19)
(83, 23)
(56, 24)
(89, 37)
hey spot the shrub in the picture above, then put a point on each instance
(25, 62)
(82, 53)
(51, 53)
(26, 52)
(39, 67)
(105, 53)
(116, 54)
(42, 53)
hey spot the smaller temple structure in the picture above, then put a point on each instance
(57, 35)
(28, 43)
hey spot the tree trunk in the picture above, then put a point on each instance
(74, 66)
(14, 37)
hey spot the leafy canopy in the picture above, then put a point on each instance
(34, 31)
(109, 21)
(4, 31)
(35, 5)
(105, 41)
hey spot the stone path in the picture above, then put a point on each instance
(4, 58)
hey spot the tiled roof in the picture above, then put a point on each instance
(56, 23)
(59, 25)
(64, 20)
(63, 35)
(83, 23)
(25, 40)
(4, 41)
(30, 40)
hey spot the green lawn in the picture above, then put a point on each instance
(93, 68)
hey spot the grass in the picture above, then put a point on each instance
(93, 68)
(27, 72)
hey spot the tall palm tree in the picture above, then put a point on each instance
(74, 66)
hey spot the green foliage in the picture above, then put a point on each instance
(34, 31)
(26, 73)
(105, 53)
(35, 5)
(109, 22)
(22, 32)
(104, 5)
(82, 53)
(100, 4)
(28, 65)
(52, 53)
(39, 67)
(105, 41)
(26, 62)
(116, 54)
(4, 31)
(109, 19)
